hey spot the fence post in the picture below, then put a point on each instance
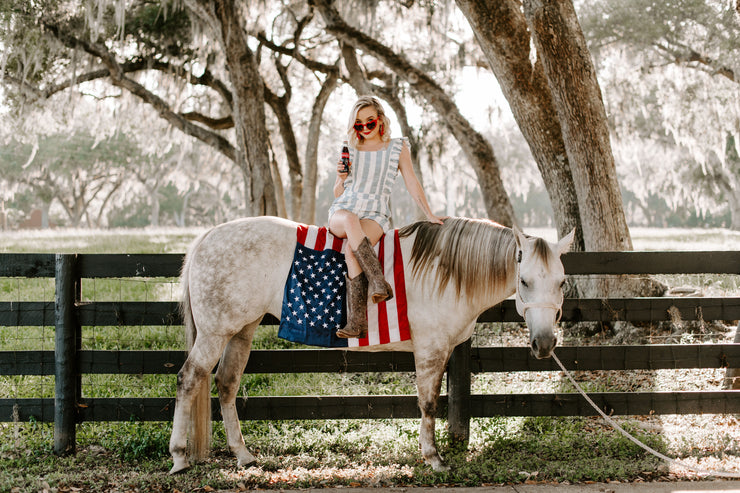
(732, 375)
(66, 389)
(458, 395)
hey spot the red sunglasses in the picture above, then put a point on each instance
(370, 125)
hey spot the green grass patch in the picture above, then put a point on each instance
(303, 454)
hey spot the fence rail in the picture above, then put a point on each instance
(68, 361)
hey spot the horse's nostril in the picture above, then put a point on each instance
(534, 346)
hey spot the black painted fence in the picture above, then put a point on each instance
(68, 361)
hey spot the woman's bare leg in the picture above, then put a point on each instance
(346, 224)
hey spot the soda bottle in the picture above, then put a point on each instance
(345, 157)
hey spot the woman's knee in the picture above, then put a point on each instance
(372, 230)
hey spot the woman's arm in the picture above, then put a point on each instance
(339, 185)
(413, 185)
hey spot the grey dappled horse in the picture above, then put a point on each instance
(235, 273)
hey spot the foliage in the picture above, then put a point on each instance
(74, 169)
(667, 72)
(675, 112)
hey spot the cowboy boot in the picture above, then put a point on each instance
(356, 308)
(379, 288)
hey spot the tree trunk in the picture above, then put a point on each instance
(248, 109)
(279, 106)
(571, 77)
(279, 192)
(734, 202)
(154, 218)
(312, 148)
(501, 31)
(727, 179)
(181, 217)
(45, 215)
(476, 148)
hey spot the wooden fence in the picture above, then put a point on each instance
(69, 361)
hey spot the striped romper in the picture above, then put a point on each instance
(368, 187)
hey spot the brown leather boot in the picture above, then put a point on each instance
(379, 288)
(356, 308)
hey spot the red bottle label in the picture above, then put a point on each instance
(345, 158)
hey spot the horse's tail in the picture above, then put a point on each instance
(199, 443)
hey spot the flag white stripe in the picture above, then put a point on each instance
(311, 237)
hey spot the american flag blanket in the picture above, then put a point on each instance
(314, 299)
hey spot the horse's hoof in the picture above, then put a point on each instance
(179, 465)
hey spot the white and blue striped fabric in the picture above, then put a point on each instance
(368, 187)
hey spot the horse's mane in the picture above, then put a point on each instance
(473, 254)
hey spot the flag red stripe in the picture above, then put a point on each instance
(301, 233)
(337, 244)
(400, 281)
(320, 239)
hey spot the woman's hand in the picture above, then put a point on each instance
(340, 170)
(436, 219)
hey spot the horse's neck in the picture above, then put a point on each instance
(506, 288)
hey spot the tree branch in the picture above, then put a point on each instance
(685, 55)
(314, 65)
(116, 74)
(223, 123)
(136, 65)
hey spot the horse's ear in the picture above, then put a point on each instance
(520, 238)
(565, 243)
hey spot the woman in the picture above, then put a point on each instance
(361, 211)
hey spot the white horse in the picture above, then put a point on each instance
(235, 273)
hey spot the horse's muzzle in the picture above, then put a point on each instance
(542, 346)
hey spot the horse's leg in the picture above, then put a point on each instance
(228, 377)
(430, 368)
(193, 381)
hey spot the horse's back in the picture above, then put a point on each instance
(237, 270)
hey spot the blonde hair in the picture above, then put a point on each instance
(474, 255)
(383, 120)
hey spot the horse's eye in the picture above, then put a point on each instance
(562, 284)
(524, 283)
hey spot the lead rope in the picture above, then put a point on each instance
(637, 442)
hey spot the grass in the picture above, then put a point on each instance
(328, 453)
(301, 454)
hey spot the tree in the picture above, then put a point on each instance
(580, 109)
(77, 171)
(686, 97)
(502, 33)
(248, 105)
(148, 49)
